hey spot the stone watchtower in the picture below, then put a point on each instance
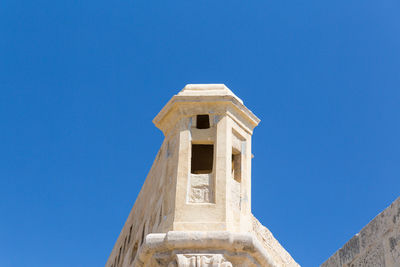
(194, 208)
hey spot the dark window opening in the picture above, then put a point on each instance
(203, 122)
(236, 167)
(202, 159)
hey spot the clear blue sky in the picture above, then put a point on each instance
(80, 82)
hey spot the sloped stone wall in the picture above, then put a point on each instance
(153, 209)
(377, 244)
(272, 245)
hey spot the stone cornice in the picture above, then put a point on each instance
(170, 112)
(245, 243)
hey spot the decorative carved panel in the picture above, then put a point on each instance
(201, 188)
(200, 260)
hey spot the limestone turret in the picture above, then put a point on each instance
(194, 208)
(212, 130)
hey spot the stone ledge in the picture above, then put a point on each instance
(208, 241)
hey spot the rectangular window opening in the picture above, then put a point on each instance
(236, 167)
(202, 122)
(202, 159)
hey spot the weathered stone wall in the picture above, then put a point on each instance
(377, 244)
(272, 246)
(153, 209)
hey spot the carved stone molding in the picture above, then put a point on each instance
(200, 260)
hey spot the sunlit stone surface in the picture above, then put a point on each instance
(194, 208)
